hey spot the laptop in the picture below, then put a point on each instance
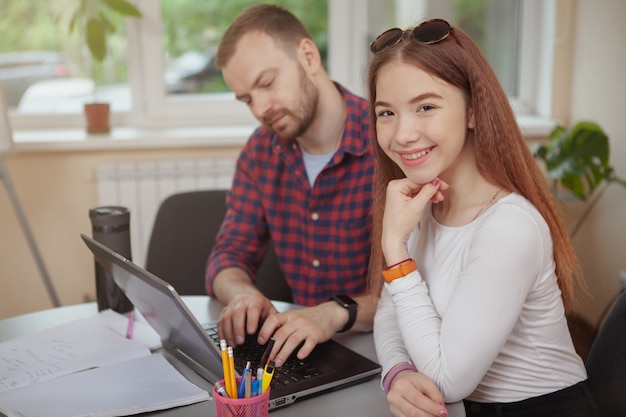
(329, 367)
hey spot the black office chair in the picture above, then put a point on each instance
(183, 236)
(606, 362)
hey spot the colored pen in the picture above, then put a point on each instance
(220, 389)
(231, 369)
(268, 374)
(267, 352)
(259, 379)
(131, 324)
(248, 387)
(242, 384)
(226, 367)
(255, 387)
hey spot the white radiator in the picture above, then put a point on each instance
(141, 186)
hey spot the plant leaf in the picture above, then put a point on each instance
(96, 38)
(123, 7)
(106, 23)
(73, 21)
(578, 158)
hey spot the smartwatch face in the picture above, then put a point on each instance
(345, 300)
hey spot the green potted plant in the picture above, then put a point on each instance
(577, 163)
(94, 21)
(578, 166)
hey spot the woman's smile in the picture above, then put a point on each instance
(412, 155)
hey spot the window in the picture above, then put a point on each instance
(515, 35)
(209, 100)
(160, 71)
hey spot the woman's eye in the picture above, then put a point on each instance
(425, 107)
(385, 113)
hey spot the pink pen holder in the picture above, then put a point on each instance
(254, 406)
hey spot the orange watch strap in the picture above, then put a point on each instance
(399, 271)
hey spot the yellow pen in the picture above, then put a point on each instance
(226, 367)
(268, 374)
(231, 369)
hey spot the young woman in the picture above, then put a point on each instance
(476, 266)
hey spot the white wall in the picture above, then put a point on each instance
(56, 190)
(598, 93)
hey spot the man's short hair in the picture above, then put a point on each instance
(275, 21)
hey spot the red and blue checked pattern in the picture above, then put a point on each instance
(322, 234)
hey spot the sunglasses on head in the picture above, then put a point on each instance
(428, 32)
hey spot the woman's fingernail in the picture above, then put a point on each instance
(435, 182)
(443, 413)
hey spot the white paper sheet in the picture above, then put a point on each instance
(142, 332)
(73, 347)
(139, 385)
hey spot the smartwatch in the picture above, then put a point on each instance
(350, 305)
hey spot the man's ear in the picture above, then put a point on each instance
(309, 55)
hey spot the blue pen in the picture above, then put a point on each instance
(255, 387)
(242, 384)
(259, 378)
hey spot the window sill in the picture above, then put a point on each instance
(534, 127)
(120, 138)
(129, 138)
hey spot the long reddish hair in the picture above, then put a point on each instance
(504, 158)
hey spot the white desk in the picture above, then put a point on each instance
(366, 399)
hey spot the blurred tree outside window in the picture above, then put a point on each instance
(44, 68)
(192, 30)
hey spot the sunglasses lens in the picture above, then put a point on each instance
(386, 39)
(428, 32)
(432, 31)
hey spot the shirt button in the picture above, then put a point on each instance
(316, 263)
(315, 216)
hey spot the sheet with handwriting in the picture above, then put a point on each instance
(140, 385)
(73, 347)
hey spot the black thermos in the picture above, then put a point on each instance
(111, 226)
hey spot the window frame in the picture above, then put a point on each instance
(536, 59)
(154, 107)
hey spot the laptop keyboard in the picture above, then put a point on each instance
(292, 371)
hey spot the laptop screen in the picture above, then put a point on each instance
(163, 309)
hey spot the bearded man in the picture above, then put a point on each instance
(304, 180)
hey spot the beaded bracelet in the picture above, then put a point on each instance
(395, 371)
(398, 263)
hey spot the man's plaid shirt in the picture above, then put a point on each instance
(322, 234)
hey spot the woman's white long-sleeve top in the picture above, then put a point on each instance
(483, 315)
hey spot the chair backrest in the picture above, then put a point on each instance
(606, 362)
(183, 236)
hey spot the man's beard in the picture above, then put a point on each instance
(303, 115)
